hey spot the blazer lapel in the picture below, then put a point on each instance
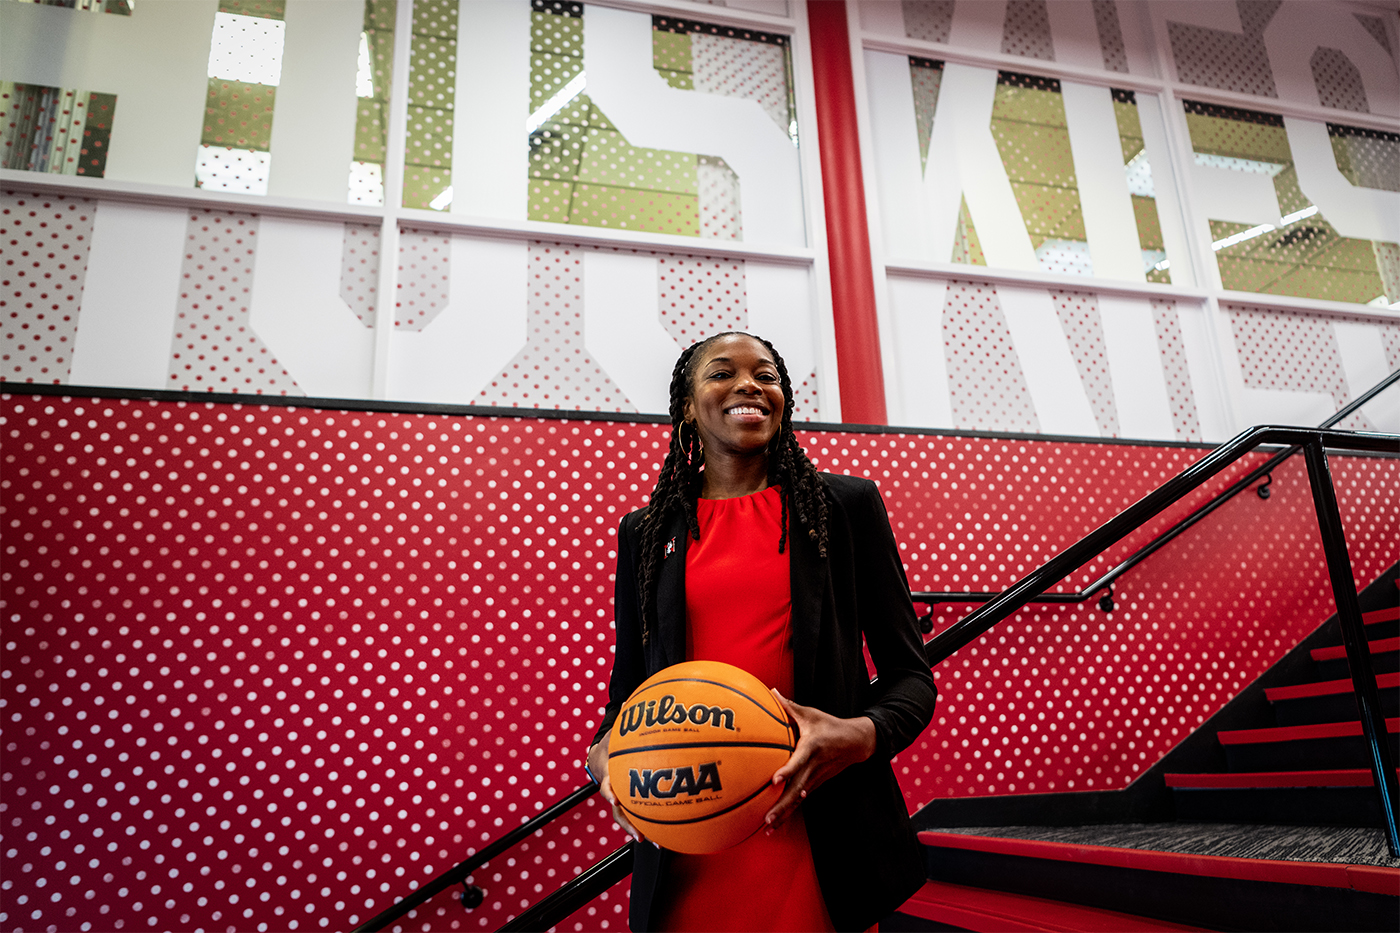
(808, 573)
(670, 593)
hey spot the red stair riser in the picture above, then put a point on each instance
(1320, 874)
(1327, 688)
(986, 909)
(1380, 615)
(1322, 730)
(1340, 651)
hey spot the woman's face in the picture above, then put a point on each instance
(736, 397)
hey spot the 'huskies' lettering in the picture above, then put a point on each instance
(648, 783)
(667, 711)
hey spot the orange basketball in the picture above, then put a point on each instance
(692, 755)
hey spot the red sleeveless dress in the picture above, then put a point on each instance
(738, 602)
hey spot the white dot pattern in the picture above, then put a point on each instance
(359, 270)
(700, 297)
(1027, 30)
(1167, 322)
(985, 383)
(425, 278)
(1080, 320)
(741, 68)
(271, 668)
(554, 369)
(44, 245)
(215, 348)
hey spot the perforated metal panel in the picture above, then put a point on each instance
(46, 244)
(214, 348)
(397, 630)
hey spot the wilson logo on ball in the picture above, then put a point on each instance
(647, 783)
(666, 711)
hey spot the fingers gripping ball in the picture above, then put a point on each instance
(692, 756)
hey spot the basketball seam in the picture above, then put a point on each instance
(715, 683)
(699, 745)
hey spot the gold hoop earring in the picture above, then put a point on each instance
(692, 446)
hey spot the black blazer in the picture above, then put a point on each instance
(865, 851)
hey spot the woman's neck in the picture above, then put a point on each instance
(729, 477)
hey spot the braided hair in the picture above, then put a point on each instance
(679, 483)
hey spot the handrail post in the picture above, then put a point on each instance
(1363, 678)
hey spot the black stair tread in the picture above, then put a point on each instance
(1346, 845)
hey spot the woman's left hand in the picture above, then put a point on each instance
(826, 746)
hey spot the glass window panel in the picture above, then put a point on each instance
(61, 131)
(1138, 170)
(584, 171)
(372, 82)
(1300, 252)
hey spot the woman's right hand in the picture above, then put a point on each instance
(598, 765)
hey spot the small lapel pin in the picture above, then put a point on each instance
(670, 548)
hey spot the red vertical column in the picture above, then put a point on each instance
(859, 367)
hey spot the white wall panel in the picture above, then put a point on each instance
(1164, 183)
(622, 327)
(297, 310)
(1135, 368)
(1049, 368)
(1103, 186)
(133, 282)
(155, 61)
(1363, 363)
(962, 128)
(978, 25)
(313, 131)
(483, 326)
(780, 311)
(1238, 196)
(1300, 28)
(1075, 33)
(904, 210)
(921, 369)
(490, 148)
(1207, 384)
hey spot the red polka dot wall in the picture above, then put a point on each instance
(273, 667)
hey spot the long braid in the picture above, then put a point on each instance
(679, 482)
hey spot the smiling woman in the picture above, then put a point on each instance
(711, 570)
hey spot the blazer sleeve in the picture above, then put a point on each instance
(629, 660)
(904, 692)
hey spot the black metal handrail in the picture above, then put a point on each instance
(1313, 441)
(458, 873)
(1104, 583)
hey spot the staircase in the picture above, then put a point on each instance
(1272, 811)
